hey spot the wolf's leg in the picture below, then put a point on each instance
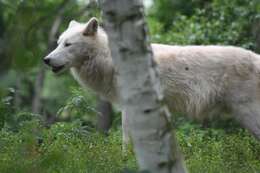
(125, 130)
(248, 114)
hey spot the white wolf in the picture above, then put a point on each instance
(196, 79)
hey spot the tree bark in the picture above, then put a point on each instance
(105, 116)
(150, 128)
(38, 86)
(4, 60)
(17, 95)
(256, 34)
(39, 82)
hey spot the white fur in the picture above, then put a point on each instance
(195, 79)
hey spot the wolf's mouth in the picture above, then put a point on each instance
(57, 68)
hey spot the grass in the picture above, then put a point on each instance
(72, 148)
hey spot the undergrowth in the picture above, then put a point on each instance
(73, 148)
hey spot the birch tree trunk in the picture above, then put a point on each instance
(150, 128)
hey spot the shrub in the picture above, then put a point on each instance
(73, 148)
(64, 147)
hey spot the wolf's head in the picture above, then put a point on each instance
(75, 45)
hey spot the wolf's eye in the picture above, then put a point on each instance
(67, 44)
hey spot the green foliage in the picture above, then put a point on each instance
(166, 11)
(27, 33)
(3, 114)
(25, 27)
(81, 105)
(64, 147)
(57, 89)
(215, 151)
(5, 110)
(10, 118)
(71, 147)
(219, 22)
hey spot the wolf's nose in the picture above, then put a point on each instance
(46, 60)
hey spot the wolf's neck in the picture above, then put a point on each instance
(97, 73)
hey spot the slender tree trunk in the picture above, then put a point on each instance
(39, 82)
(150, 128)
(256, 34)
(38, 86)
(4, 60)
(105, 116)
(17, 95)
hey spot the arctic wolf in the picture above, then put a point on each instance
(196, 79)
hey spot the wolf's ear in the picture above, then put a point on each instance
(91, 27)
(73, 23)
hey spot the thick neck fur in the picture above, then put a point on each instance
(97, 70)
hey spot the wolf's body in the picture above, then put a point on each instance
(196, 79)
